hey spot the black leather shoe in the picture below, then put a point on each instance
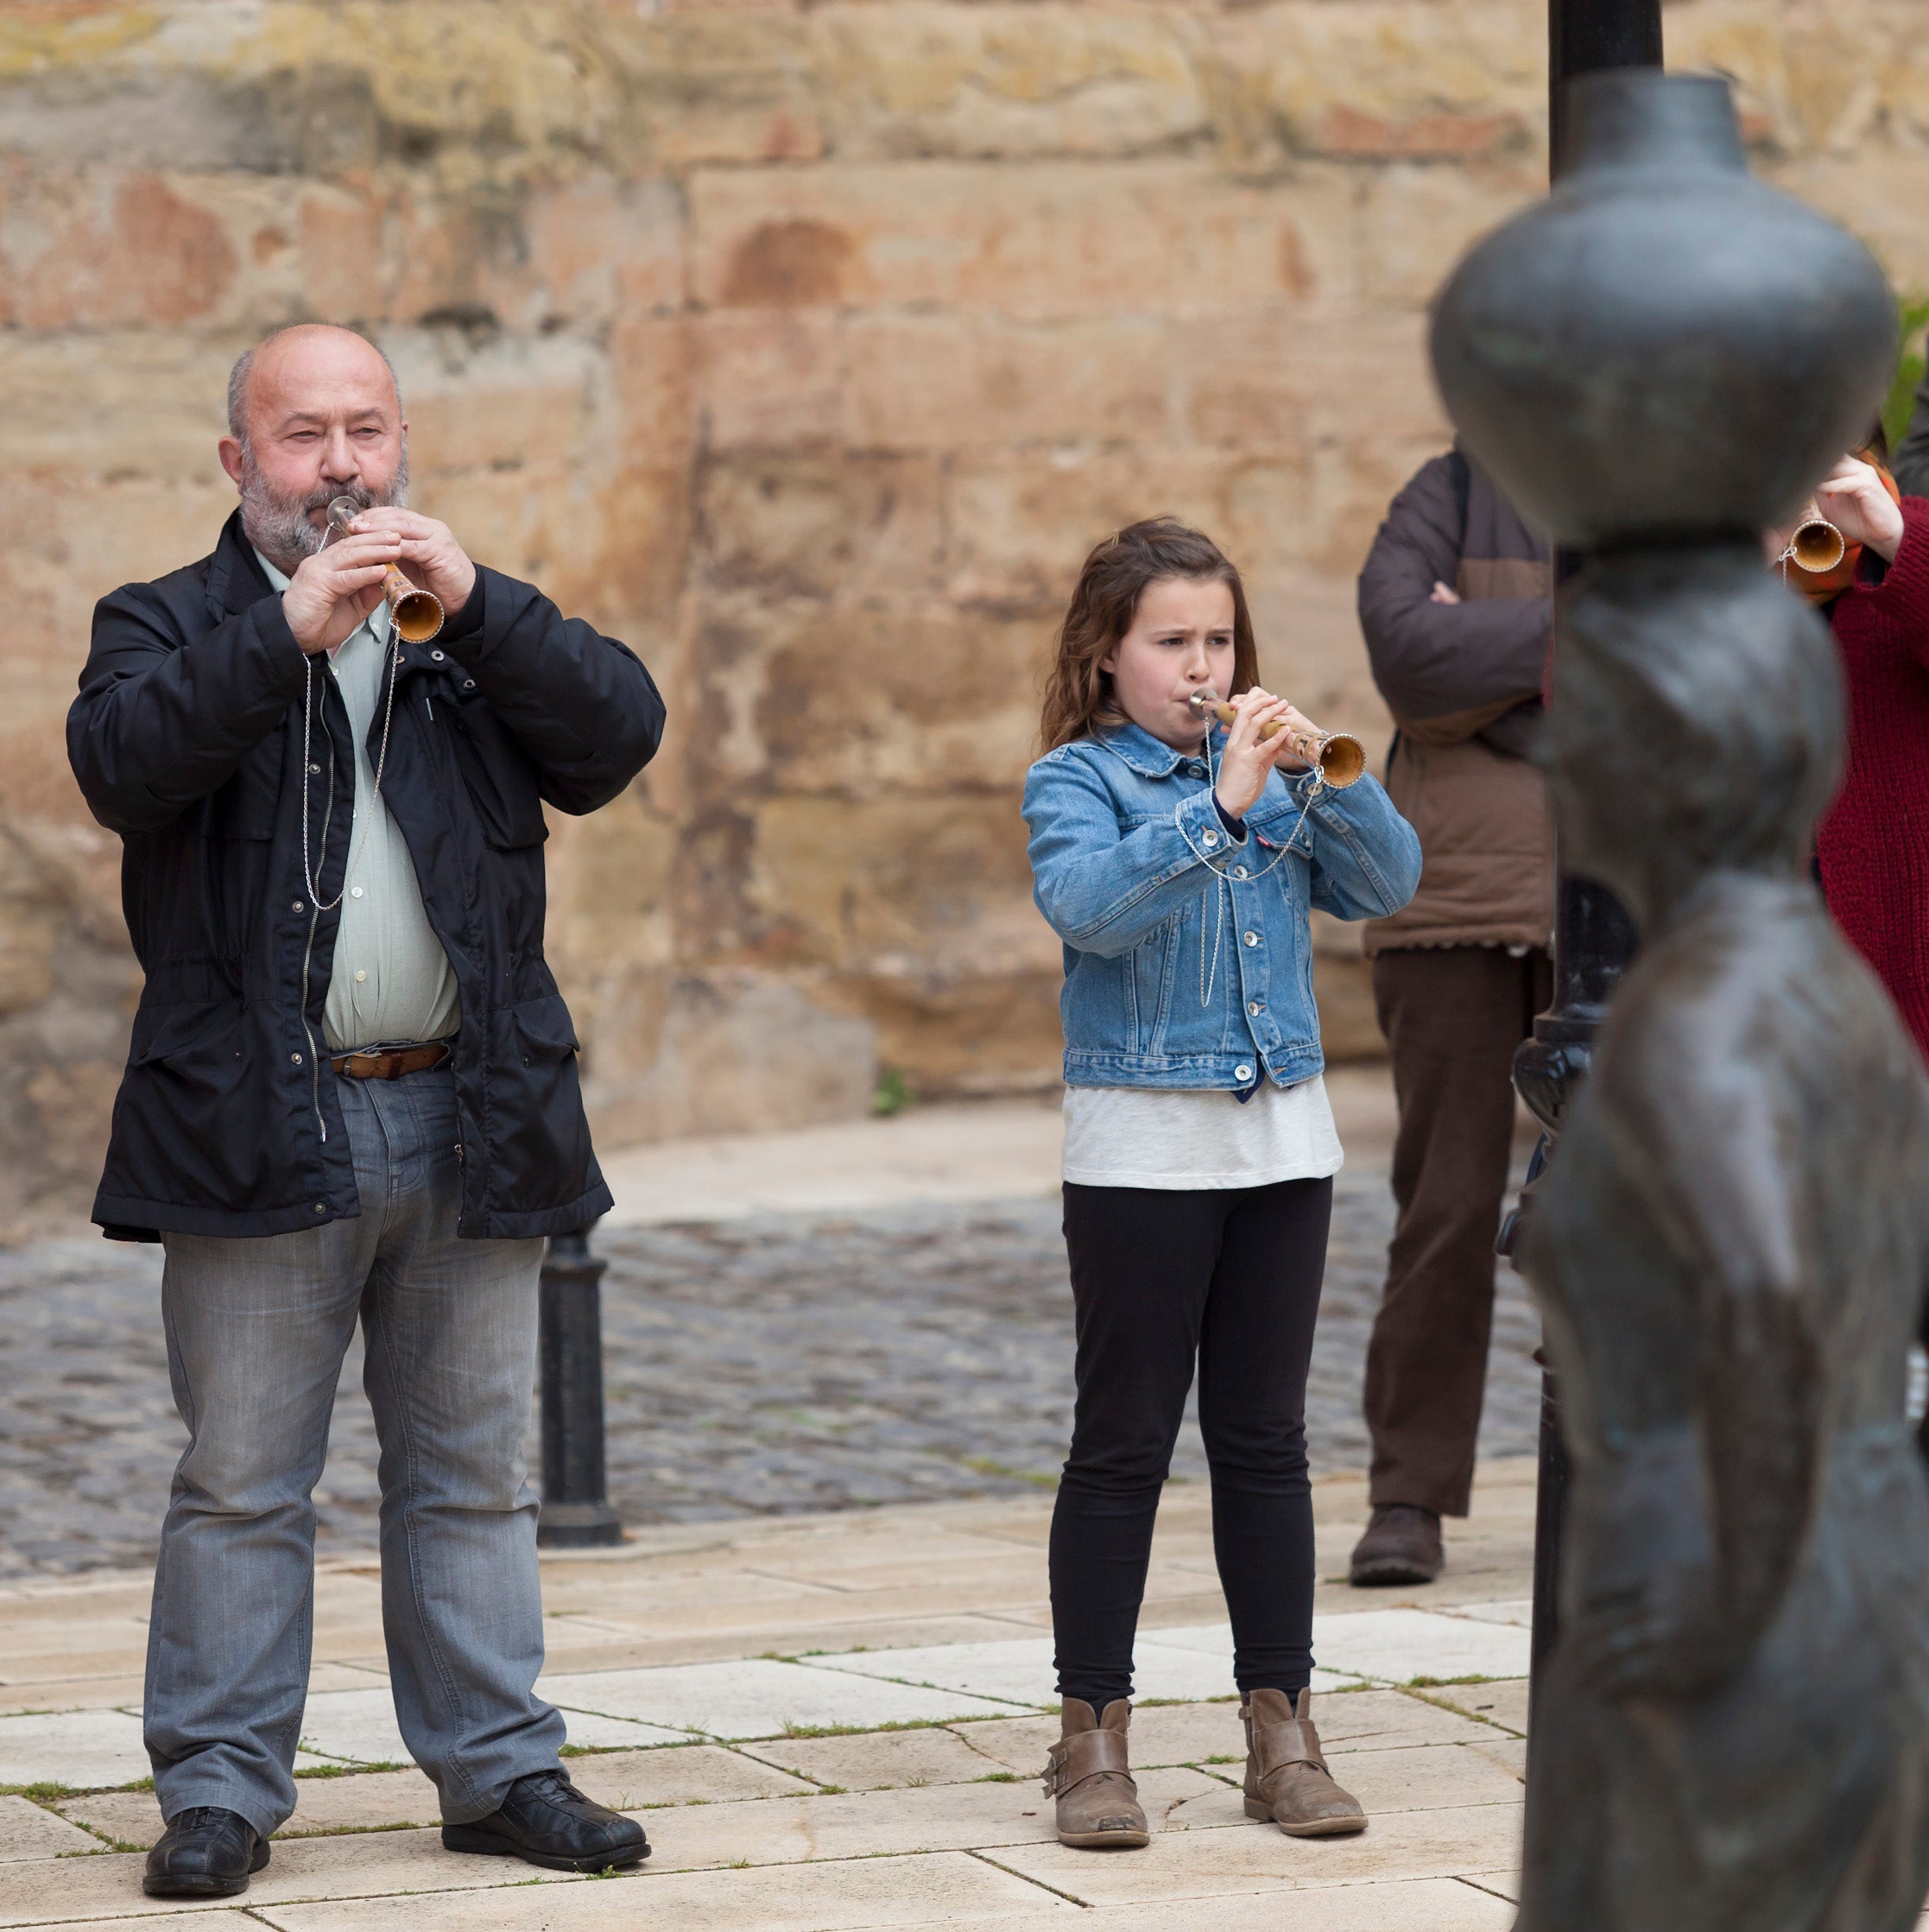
(205, 1852)
(547, 1821)
(1401, 1545)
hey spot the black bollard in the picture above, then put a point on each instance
(576, 1512)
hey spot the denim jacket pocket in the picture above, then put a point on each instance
(1151, 970)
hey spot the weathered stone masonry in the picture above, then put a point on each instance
(808, 348)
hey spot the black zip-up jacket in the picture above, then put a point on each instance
(187, 739)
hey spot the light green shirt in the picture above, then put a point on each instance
(391, 980)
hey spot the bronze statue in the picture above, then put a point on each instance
(1732, 1244)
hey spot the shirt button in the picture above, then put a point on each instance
(356, 893)
(1242, 1073)
(1257, 1007)
(1251, 938)
(436, 655)
(361, 973)
(316, 768)
(321, 1208)
(468, 684)
(299, 905)
(1239, 872)
(296, 1058)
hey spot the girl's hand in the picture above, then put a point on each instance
(1852, 498)
(1246, 762)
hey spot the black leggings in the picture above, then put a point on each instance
(1233, 1274)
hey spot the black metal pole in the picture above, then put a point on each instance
(576, 1512)
(1593, 938)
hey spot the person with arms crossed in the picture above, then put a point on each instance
(1455, 603)
(352, 1094)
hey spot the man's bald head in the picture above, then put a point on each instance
(314, 412)
(300, 354)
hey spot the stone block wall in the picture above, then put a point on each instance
(808, 348)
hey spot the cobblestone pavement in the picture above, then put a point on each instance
(786, 1363)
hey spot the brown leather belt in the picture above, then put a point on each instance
(391, 1063)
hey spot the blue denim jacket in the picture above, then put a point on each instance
(1188, 953)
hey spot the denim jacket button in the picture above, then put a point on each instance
(1211, 839)
(1239, 872)
(1251, 938)
(1255, 1007)
(1242, 1073)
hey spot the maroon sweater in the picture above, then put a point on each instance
(1874, 845)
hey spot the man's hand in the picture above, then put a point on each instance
(1852, 498)
(332, 590)
(1443, 593)
(430, 553)
(1246, 762)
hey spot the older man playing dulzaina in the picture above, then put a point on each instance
(352, 1094)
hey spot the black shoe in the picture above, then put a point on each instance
(544, 1819)
(1401, 1545)
(205, 1852)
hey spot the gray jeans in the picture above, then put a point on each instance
(256, 1332)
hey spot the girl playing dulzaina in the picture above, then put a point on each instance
(1179, 865)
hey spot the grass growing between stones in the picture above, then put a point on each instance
(792, 1730)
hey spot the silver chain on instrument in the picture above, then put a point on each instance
(1209, 978)
(308, 769)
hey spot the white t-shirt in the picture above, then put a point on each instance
(1155, 1136)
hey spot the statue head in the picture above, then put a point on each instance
(1695, 726)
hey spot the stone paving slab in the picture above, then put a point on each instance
(29, 1831)
(1435, 1844)
(79, 1749)
(873, 1824)
(1503, 1702)
(690, 1775)
(1432, 1777)
(360, 1728)
(843, 1895)
(73, 1693)
(992, 1151)
(1422, 1906)
(1021, 1671)
(196, 1916)
(758, 1697)
(887, 1760)
(1397, 1646)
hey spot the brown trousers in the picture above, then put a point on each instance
(1452, 1016)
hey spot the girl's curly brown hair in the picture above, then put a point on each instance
(1078, 696)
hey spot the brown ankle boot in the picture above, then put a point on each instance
(1286, 1778)
(1086, 1771)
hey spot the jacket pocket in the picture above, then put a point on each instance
(500, 776)
(188, 1123)
(1151, 971)
(539, 1136)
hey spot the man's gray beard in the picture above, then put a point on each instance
(278, 526)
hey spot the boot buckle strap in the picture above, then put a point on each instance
(1275, 1746)
(1084, 1754)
